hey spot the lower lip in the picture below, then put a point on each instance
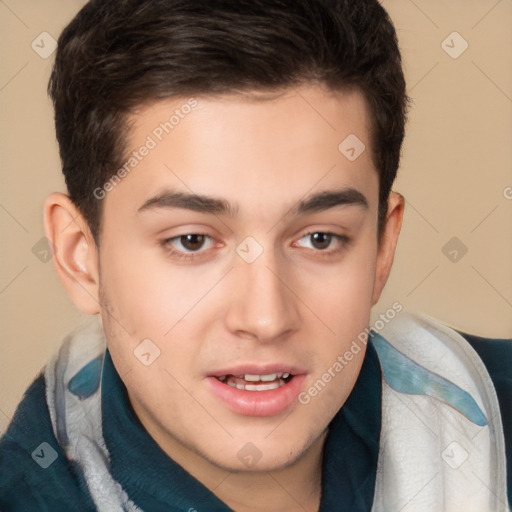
(258, 403)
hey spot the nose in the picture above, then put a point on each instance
(263, 306)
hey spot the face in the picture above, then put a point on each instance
(243, 245)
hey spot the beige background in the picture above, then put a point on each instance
(456, 177)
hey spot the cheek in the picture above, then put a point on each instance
(143, 297)
(146, 292)
(340, 293)
(341, 298)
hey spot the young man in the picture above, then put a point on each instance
(229, 225)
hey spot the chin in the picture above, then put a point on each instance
(264, 455)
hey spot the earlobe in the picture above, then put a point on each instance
(388, 242)
(76, 254)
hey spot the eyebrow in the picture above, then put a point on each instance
(205, 204)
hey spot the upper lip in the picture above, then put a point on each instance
(258, 369)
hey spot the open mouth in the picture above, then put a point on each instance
(251, 391)
(250, 382)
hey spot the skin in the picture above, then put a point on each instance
(299, 302)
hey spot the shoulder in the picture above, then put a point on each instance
(34, 472)
(496, 354)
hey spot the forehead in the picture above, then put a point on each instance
(251, 149)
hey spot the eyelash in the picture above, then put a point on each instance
(343, 242)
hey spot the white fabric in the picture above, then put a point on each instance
(431, 457)
(77, 423)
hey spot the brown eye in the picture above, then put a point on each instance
(189, 243)
(192, 242)
(324, 243)
(190, 247)
(320, 241)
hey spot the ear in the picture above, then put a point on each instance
(76, 255)
(387, 244)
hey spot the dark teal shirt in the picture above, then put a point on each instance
(156, 483)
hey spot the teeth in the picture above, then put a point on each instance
(257, 387)
(265, 378)
(262, 387)
(250, 382)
